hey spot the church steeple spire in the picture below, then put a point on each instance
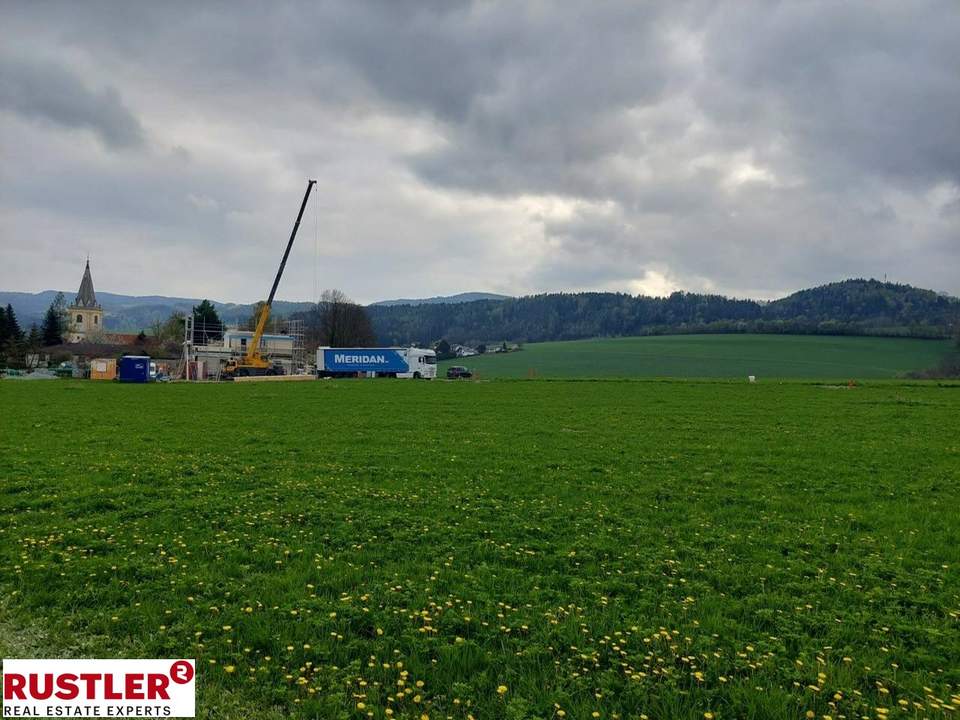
(86, 297)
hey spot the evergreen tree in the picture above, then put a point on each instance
(54, 322)
(14, 333)
(14, 345)
(3, 327)
(207, 326)
(443, 350)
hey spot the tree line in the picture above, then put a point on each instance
(851, 307)
(17, 345)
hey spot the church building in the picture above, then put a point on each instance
(85, 314)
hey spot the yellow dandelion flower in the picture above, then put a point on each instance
(502, 690)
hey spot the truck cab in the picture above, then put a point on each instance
(422, 363)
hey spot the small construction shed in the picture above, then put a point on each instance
(135, 368)
(103, 369)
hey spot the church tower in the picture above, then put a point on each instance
(86, 315)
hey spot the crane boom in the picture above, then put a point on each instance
(252, 360)
(293, 235)
(253, 352)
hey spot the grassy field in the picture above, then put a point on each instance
(709, 356)
(607, 549)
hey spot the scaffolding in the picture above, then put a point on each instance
(298, 354)
(207, 347)
(206, 339)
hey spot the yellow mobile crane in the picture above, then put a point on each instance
(253, 363)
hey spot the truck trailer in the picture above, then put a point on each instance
(376, 362)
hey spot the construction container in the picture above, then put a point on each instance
(135, 369)
(103, 369)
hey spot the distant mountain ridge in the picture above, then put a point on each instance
(849, 307)
(135, 312)
(444, 299)
(139, 312)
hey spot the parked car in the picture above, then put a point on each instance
(64, 370)
(456, 372)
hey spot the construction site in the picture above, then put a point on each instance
(209, 348)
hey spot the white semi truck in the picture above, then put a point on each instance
(376, 362)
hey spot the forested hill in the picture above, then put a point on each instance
(851, 307)
(867, 301)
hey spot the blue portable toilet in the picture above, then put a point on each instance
(134, 369)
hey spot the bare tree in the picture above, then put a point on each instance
(337, 321)
(169, 334)
(251, 322)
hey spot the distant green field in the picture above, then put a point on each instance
(714, 356)
(502, 550)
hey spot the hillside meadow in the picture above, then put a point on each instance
(714, 356)
(509, 549)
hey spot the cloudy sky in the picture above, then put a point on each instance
(748, 148)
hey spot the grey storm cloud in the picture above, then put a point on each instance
(744, 147)
(49, 92)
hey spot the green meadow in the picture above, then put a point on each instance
(506, 549)
(714, 356)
